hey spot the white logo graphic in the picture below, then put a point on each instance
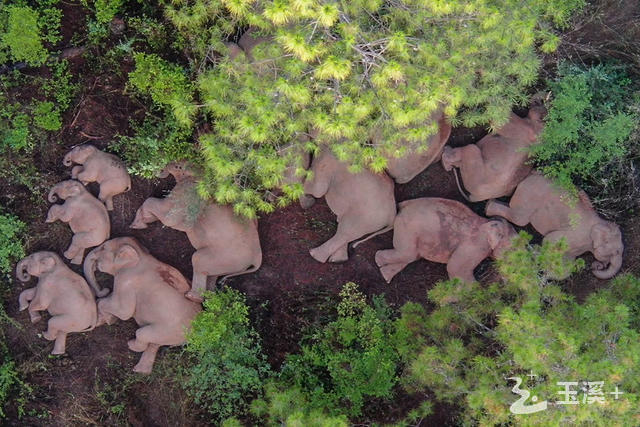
(518, 407)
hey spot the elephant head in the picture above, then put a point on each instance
(79, 154)
(37, 264)
(110, 257)
(607, 249)
(66, 189)
(179, 170)
(499, 234)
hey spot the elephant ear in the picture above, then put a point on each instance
(603, 233)
(174, 278)
(47, 263)
(495, 232)
(126, 255)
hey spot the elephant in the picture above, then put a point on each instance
(60, 291)
(364, 203)
(225, 244)
(146, 289)
(552, 212)
(87, 217)
(443, 231)
(97, 166)
(404, 169)
(494, 166)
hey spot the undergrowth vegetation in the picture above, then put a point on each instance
(364, 76)
(591, 134)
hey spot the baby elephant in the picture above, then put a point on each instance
(86, 216)
(225, 244)
(553, 214)
(97, 166)
(146, 289)
(60, 291)
(498, 162)
(363, 202)
(444, 231)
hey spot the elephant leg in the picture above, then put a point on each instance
(79, 243)
(85, 176)
(60, 345)
(520, 217)
(148, 358)
(340, 255)
(463, 260)
(393, 261)
(76, 170)
(25, 298)
(105, 318)
(57, 324)
(149, 212)
(349, 229)
(108, 189)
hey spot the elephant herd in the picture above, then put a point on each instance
(163, 302)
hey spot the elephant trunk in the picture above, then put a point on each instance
(67, 160)
(21, 270)
(89, 268)
(53, 194)
(607, 273)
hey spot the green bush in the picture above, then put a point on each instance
(349, 70)
(157, 142)
(590, 127)
(229, 365)
(347, 361)
(527, 324)
(11, 242)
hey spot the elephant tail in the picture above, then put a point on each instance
(456, 173)
(384, 230)
(256, 265)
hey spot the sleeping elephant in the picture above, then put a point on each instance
(87, 217)
(444, 231)
(404, 169)
(553, 213)
(146, 289)
(225, 244)
(363, 202)
(97, 166)
(498, 162)
(60, 291)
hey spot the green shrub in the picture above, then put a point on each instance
(229, 365)
(527, 324)
(347, 361)
(21, 35)
(157, 142)
(590, 126)
(11, 242)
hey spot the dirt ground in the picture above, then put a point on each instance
(91, 384)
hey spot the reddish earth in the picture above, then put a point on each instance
(290, 293)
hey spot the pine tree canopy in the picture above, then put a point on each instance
(344, 71)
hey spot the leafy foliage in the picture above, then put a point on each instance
(11, 242)
(366, 76)
(347, 361)
(528, 324)
(229, 364)
(590, 125)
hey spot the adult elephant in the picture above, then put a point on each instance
(554, 214)
(403, 169)
(146, 289)
(494, 166)
(363, 202)
(226, 245)
(444, 231)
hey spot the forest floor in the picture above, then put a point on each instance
(291, 292)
